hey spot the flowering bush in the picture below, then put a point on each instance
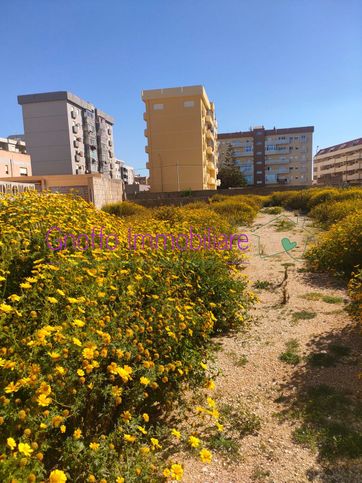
(95, 344)
(235, 212)
(340, 248)
(124, 209)
(328, 212)
(355, 292)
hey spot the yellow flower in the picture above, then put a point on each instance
(219, 426)
(144, 380)
(25, 285)
(54, 355)
(57, 476)
(211, 402)
(12, 387)
(6, 308)
(43, 400)
(11, 443)
(194, 442)
(60, 370)
(141, 429)
(146, 417)
(210, 385)
(166, 472)
(45, 389)
(129, 438)
(205, 455)
(80, 372)
(94, 446)
(176, 472)
(126, 415)
(52, 300)
(60, 292)
(63, 428)
(204, 366)
(145, 449)
(14, 298)
(88, 353)
(155, 443)
(77, 433)
(25, 448)
(76, 341)
(79, 323)
(120, 479)
(176, 433)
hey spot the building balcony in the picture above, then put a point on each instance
(209, 134)
(209, 119)
(148, 165)
(211, 166)
(145, 116)
(146, 133)
(147, 149)
(209, 150)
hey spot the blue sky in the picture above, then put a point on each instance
(280, 63)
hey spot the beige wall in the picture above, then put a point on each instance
(13, 164)
(95, 188)
(177, 139)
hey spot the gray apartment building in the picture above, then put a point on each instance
(271, 156)
(66, 135)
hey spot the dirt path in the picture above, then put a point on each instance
(253, 375)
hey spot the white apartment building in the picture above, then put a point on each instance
(66, 135)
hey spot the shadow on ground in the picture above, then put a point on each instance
(324, 399)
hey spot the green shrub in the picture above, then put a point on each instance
(328, 213)
(235, 212)
(204, 218)
(322, 195)
(169, 213)
(340, 248)
(273, 210)
(124, 209)
(355, 292)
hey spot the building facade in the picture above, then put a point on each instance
(340, 164)
(181, 132)
(271, 156)
(14, 160)
(66, 135)
(126, 173)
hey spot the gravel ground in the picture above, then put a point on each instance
(271, 455)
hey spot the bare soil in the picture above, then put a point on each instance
(268, 386)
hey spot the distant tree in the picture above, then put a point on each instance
(229, 173)
(227, 156)
(231, 177)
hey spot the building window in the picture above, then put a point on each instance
(23, 171)
(158, 107)
(6, 169)
(189, 103)
(259, 182)
(259, 172)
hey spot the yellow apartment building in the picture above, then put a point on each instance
(339, 164)
(182, 139)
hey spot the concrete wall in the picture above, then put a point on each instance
(147, 198)
(107, 190)
(95, 188)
